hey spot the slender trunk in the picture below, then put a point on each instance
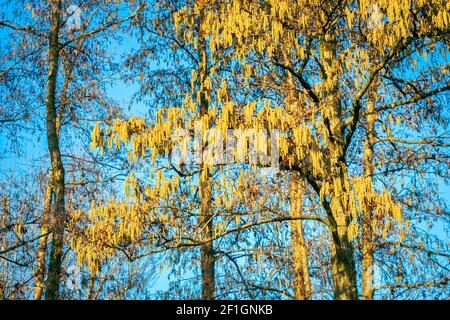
(302, 284)
(344, 273)
(367, 234)
(3, 245)
(207, 260)
(43, 242)
(57, 227)
(344, 270)
(91, 287)
(207, 249)
(46, 217)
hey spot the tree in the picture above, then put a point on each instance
(291, 149)
(318, 44)
(74, 45)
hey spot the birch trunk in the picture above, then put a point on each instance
(367, 234)
(207, 263)
(344, 270)
(302, 284)
(57, 224)
(207, 259)
(43, 242)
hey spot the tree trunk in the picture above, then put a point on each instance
(58, 221)
(367, 238)
(207, 249)
(344, 270)
(207, 260)
(46, 217)
(43, 242)
(302, 284)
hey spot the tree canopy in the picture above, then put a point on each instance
(280, 149)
